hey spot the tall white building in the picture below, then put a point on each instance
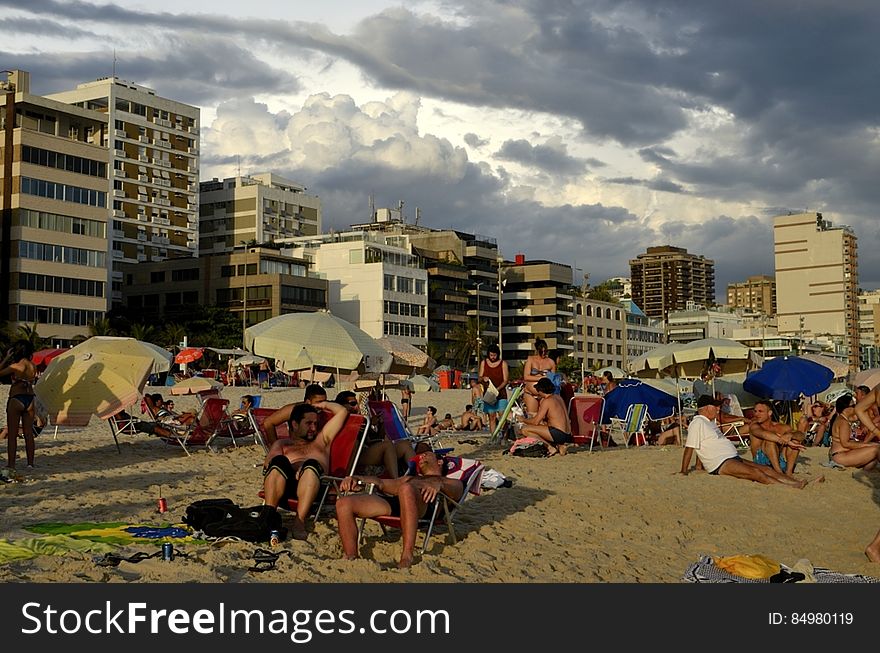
(153, 147)
(374, 281)
(817, 280)
(260, 207)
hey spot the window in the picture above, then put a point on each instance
(589, 311)
(63, 192)
(187, 274)
(389, 282)
(227, 270)
(404, 284)
(421, 287)
(590, 331)
(607, 313)
(157, 277)
(61, 223)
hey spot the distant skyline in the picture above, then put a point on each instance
(582, 131)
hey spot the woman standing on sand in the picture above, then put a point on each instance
(537, 366)
(493, 369)
(20, 405)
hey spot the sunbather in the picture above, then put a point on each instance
(470, 421)
(407, 497)
(845, 450)
(380, 450)
(773, 444)
(551, 423)
(430, 425)
(314, 395)
(718, 455)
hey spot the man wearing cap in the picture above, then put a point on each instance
(718, 455)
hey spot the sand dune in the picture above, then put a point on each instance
(610, 516)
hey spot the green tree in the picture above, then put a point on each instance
(601, 294)
(171, 335)
(463, 343)
(144, 332)
(570, 366)
(30, 335)
(101, 328)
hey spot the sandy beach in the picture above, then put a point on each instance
(610, 516)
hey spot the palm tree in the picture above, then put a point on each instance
(464, 342)
(100, 328)
(144, 332)
(29, 334)
(172, 335)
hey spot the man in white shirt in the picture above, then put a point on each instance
(718, 455)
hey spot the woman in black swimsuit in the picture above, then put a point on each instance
(20, 405)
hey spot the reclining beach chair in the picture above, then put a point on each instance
(344, 454)
(122, 424)
(513, 399)
(385, 417)
(441, 511)
(202, 430)
(256, 417)
(585, 414)
(633, 425)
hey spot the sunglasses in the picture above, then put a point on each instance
(352, 403)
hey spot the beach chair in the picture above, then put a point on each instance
(386, 418)
(731, 432)
(203, 429)
(121, 424)
(513, 400)
(257, 416)
(585, 414)
(344, 453)
(633, 425)
(218, 423)
(441, 511)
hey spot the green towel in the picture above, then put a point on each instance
(25, 549)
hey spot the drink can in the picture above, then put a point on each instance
(163, 505)
(167, 551)
(274, 537)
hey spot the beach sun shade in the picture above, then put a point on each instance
(189, 355)
(101, 376)
(45, 356)
(787, 377)
(407, 358)
(869, 378)
(839, 367)
(328, 341)
(732, 357)
(632, 391)
(196, 385)
(616, 372)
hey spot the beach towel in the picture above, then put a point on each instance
(25, 549)
(706, 571)
(114, 532)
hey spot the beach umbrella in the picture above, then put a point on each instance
(407, 358)
(329, 342)
(249, 359)
(839, 367)
(787, 378)
(189, 355)
(45, 356)
(161, 357)
(100, 376)
(726, 386)
(869, 378)
(616, 372)
(731, 357)
(196, 385)
(654, 363)
(634, 391)
(419, 383)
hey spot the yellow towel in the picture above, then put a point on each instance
(748, 566)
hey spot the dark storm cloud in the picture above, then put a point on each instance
(43, 28)
(544, 157)
(654, 184)
(187, 71)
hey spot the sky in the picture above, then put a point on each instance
(579, 131)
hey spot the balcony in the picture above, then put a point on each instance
(118, 233)
(144, 158)
(118, 152)
(120, 133)
(118, 192)
(165, 144)
(118, 213)
(118, 173)
(118, 253)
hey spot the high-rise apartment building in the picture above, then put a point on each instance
(757, 293)
(53, 212)
(258, 208)
(817, 280)
(869, 329)
(666, 278)
(153, 145)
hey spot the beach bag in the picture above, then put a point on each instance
(224, 518)
(490, 397)
(528, 448)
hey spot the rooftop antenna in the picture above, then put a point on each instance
(372, 207)
(238, 159)
(114, 63)
(400, 209)
(418, 216)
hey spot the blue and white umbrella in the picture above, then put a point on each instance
(632, 391)
(786, 378)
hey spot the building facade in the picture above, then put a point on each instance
(697, 323)
(375, 281)
(261, 281)
(642, 333)
(537, 302)
(259, 208)
(599, 333)
(53, 206)
(869, 329)
(666, 278)
(817, 280)
(153, 146)
(757, 293)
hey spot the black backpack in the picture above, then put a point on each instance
(224, 518)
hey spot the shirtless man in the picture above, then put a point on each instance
(551, 422)
(407, 497)
(314, 396)
(294, 466)
(470, 421)
(719, 457)
(773, 444)
(844, 450)
(866, 411)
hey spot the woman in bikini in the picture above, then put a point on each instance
(537, 366)
(814, 423)
(20, 405)
(844, 450)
